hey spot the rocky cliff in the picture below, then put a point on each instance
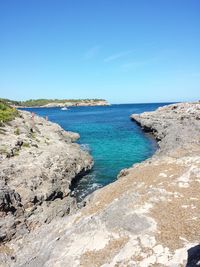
(38, 161)
(148, 217)
(173, 126)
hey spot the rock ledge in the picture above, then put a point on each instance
(148, 217)
(38, 161)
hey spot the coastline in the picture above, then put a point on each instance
(149, 216)
(83, 103)
(35, 181)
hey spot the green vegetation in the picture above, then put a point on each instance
(43, 102)
(7, 113)
(17, 132)
(32, 135)
(10, 102)
(16, 153)
(26, 144)
(3, 150)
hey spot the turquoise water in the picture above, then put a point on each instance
(114, 141)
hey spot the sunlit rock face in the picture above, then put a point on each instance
(38, 161)
(148, 217)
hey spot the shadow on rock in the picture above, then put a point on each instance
(193, 257)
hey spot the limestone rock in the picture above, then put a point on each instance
(38, 161)
(174, 125)
(148, 217)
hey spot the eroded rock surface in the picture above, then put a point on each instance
(174, 125)
(148, 217)
(38, 161)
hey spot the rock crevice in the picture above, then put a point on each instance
(38, 163)
(148, 217)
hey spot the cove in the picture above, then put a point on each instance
(114, 141)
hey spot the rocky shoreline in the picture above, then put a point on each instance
(148, 217)
(38, 162)
(67, 103)
(86, 103)
(172, 125)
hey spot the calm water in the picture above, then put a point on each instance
(114, 141)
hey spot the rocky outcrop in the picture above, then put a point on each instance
(173, 125)
(38, 161)
(47, 103)
(148, 217)
(77, 103)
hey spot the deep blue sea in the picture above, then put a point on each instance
(107, 132)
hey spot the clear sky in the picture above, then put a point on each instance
(125, 51)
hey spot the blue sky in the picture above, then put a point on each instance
(125, 51)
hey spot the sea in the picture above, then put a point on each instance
(108, 134)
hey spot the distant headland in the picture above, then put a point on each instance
(47, 103)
